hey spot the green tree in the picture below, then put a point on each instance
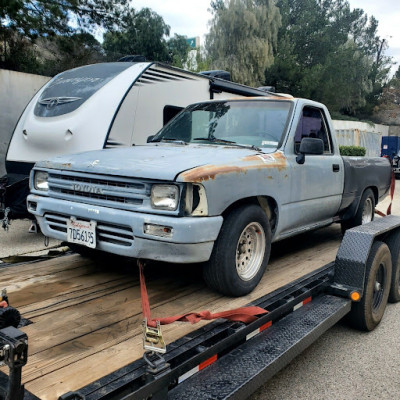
(313, 38)
(143, 33)
(34, 18)
(17, 53)
(48, 36)
(242, 38)
(66, 52)
(178, 49)
(348, 94)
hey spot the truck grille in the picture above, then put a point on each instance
(106, 233)
(108, 191)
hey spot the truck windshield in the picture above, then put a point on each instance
(258, 123)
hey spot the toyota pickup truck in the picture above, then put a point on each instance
(218, 184)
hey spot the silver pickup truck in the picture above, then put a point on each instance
(218, 184)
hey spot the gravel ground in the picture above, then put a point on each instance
(18, 240)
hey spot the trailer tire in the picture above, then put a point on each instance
(367, 314)
(393, 242)
(365, 212)
(230, 271)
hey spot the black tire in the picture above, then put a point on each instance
(365, 211)
(221, 273)
(367, 314)
(393, 242)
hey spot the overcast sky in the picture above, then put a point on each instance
(190, 17)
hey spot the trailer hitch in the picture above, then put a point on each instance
(14, 354)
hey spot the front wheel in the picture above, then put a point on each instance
(241, 252)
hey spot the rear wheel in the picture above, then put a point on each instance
(365, 212)
(393, 242)
(367, 314)
(241, 252)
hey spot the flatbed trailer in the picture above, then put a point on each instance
(85, 339)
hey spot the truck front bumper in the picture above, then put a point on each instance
(122, 232)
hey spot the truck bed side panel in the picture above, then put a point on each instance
(361, 173)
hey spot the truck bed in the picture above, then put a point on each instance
(86, 316)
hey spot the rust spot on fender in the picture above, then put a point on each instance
(66, 165)
(257, 161)
(201, 174)
(274, 160)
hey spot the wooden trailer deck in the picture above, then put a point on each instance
(86, 316)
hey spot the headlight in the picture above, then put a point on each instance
(41, 181)
(165, 197)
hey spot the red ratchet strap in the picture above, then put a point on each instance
(244, 314)
(392, 188)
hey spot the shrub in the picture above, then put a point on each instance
(352, 151)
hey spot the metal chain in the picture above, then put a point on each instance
(5, 222)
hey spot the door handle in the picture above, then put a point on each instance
(335, 167)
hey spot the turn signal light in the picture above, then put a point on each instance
(355, 296)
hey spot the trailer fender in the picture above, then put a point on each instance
(352, 256)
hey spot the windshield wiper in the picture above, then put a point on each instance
(214, 140)
(173, 140)
(249, 146)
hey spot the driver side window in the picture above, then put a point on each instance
(312, 124)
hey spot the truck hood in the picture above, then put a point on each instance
(161, 161)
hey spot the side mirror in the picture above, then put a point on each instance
(309, 146)
(150, 138)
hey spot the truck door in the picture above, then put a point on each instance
(317, 185)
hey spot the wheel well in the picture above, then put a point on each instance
(375, 191)
(268, 204)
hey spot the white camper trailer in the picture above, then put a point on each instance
(100, 106)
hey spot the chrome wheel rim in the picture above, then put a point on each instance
(250, 251)
(367, 211)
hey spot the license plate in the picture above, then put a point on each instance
(81, 232)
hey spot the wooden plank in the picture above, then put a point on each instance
(86, 320)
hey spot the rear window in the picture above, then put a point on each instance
(70, 89)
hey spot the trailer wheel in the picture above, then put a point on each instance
(367, 314)
(241, 252)
(393, 242)
(365, 212)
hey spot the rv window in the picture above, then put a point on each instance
(169, 112)
(70, 89)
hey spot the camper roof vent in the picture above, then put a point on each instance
(270, 89)
(133, 58)
(218, 73)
